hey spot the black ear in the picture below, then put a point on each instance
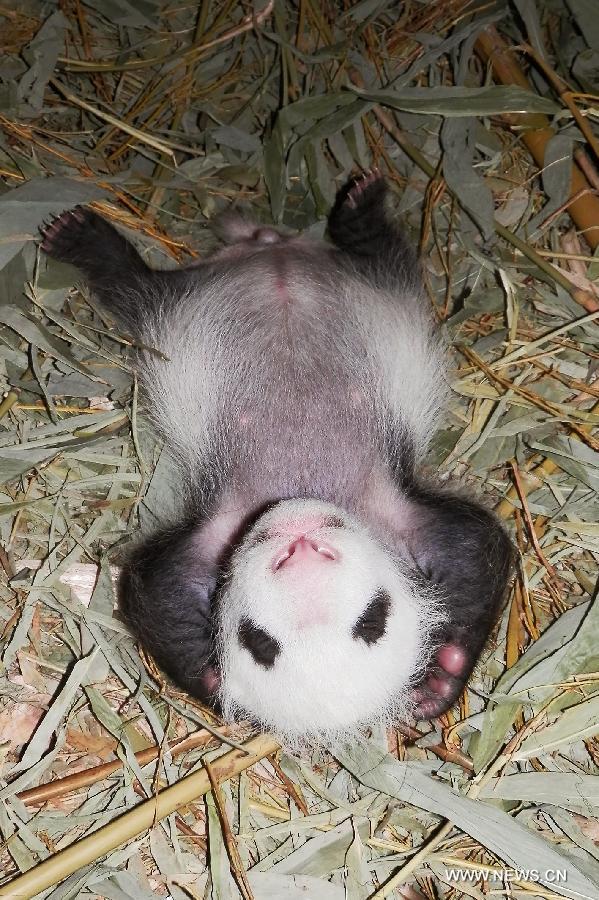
(464, 548)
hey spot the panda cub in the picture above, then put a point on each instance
(317, 581)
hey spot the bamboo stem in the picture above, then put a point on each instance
(136, 821)
(58, 787)
(537, 131)
(7, 403)
(582, 297)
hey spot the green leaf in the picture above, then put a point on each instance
(569, 790)
(585, 15)
(573, 724)
(462, 101)
(42, 55)
(493, 828)
(56, 715)
(457, 139)
(324, 854)
(24, 209)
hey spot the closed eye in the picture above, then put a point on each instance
(333, 522)
(372, 624)
(263, 647)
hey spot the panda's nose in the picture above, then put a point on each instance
(304, 551)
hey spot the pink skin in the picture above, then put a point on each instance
(211, 679)
(443, 688)
(282, 292)
(452, 660)
(302, 557)
(267, 236)
(298, 527)
(305, 552)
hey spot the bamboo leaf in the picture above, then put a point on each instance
(462, 101)
(496, 830)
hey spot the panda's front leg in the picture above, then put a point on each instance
(463, 549)
(361, 226)
(165, 594)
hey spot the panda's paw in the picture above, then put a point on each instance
(83, 238)
(367, 190)
(358, 222)
(61, 238)
(443, 683)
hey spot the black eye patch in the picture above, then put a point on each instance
(259, 643)
(372, 624)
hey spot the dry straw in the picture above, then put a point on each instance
(137, 820)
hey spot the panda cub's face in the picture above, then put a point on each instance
(319, 627)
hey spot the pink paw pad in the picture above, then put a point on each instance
(210, 680)
(452, 658)
(440, 686)
(444, 683)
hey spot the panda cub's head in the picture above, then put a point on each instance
(320, 628)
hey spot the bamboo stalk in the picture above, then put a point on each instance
(537, 132)
(236, 865)
(532, 534)
(7, 403)
(582, 297)
(136, 821)
(58, 787)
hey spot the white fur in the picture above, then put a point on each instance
(323, 682)
(222, 341)
(185, 381)
(408, 359)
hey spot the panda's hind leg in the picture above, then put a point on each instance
(361, 226)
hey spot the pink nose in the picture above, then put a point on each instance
(304, 550)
